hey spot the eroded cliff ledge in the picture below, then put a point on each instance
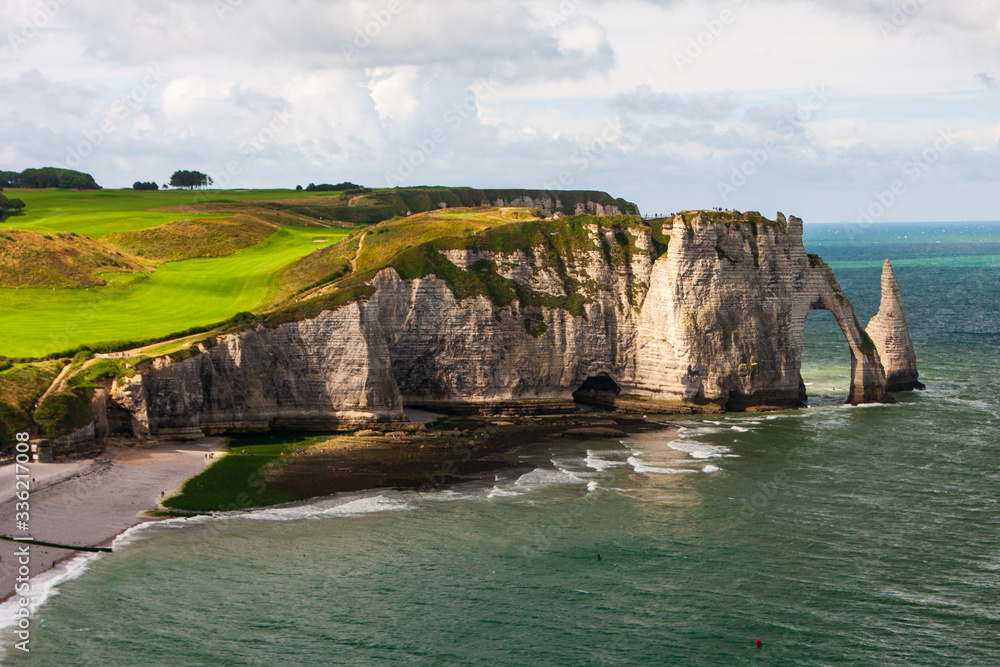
(702, 312)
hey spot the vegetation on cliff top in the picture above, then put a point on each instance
(20, 387)
(415, 248)
(64, 412)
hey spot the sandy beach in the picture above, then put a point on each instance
(89, 503)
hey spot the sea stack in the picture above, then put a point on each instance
(892, 338)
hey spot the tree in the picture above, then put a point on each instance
(48, 177)
(144, 185)
(190, 180)
(10, 207)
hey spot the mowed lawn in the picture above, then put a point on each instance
(95, 213)
(134, 307)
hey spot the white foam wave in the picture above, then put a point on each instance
(368, 506)
(598, 460)
(699, 450)
(870, 405)
(140, 531)
(547, 477)
(710, 469)
(641, 467)
(43, 587)
(739, 429)
(497, 492)
(339, 506)
(591, 486)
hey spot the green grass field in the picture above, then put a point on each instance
(178, 296)
(95, 213)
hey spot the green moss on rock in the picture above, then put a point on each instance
(62, 413)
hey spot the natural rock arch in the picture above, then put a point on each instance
(867, 375)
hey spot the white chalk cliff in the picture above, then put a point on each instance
(711, 321)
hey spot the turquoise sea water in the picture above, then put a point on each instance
(836, 535)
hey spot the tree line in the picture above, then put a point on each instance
(340, 187)
(48, 177)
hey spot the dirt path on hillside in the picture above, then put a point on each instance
(138, 351)
(357, 255)
(62, 380)
(55, 383)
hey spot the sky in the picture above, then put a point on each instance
(832, 110)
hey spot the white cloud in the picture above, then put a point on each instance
(365, 84)
(393, 89)
(196, 96)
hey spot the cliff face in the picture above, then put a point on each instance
(549, 206)
(331, 371)
(892, 337)
(713, 323)
(725, 313)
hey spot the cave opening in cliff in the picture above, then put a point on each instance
(826, 360)
(598, 391)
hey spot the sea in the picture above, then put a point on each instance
(835, 535)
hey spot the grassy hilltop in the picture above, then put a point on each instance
(110, 270)
(143, 265)
(151, 264)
